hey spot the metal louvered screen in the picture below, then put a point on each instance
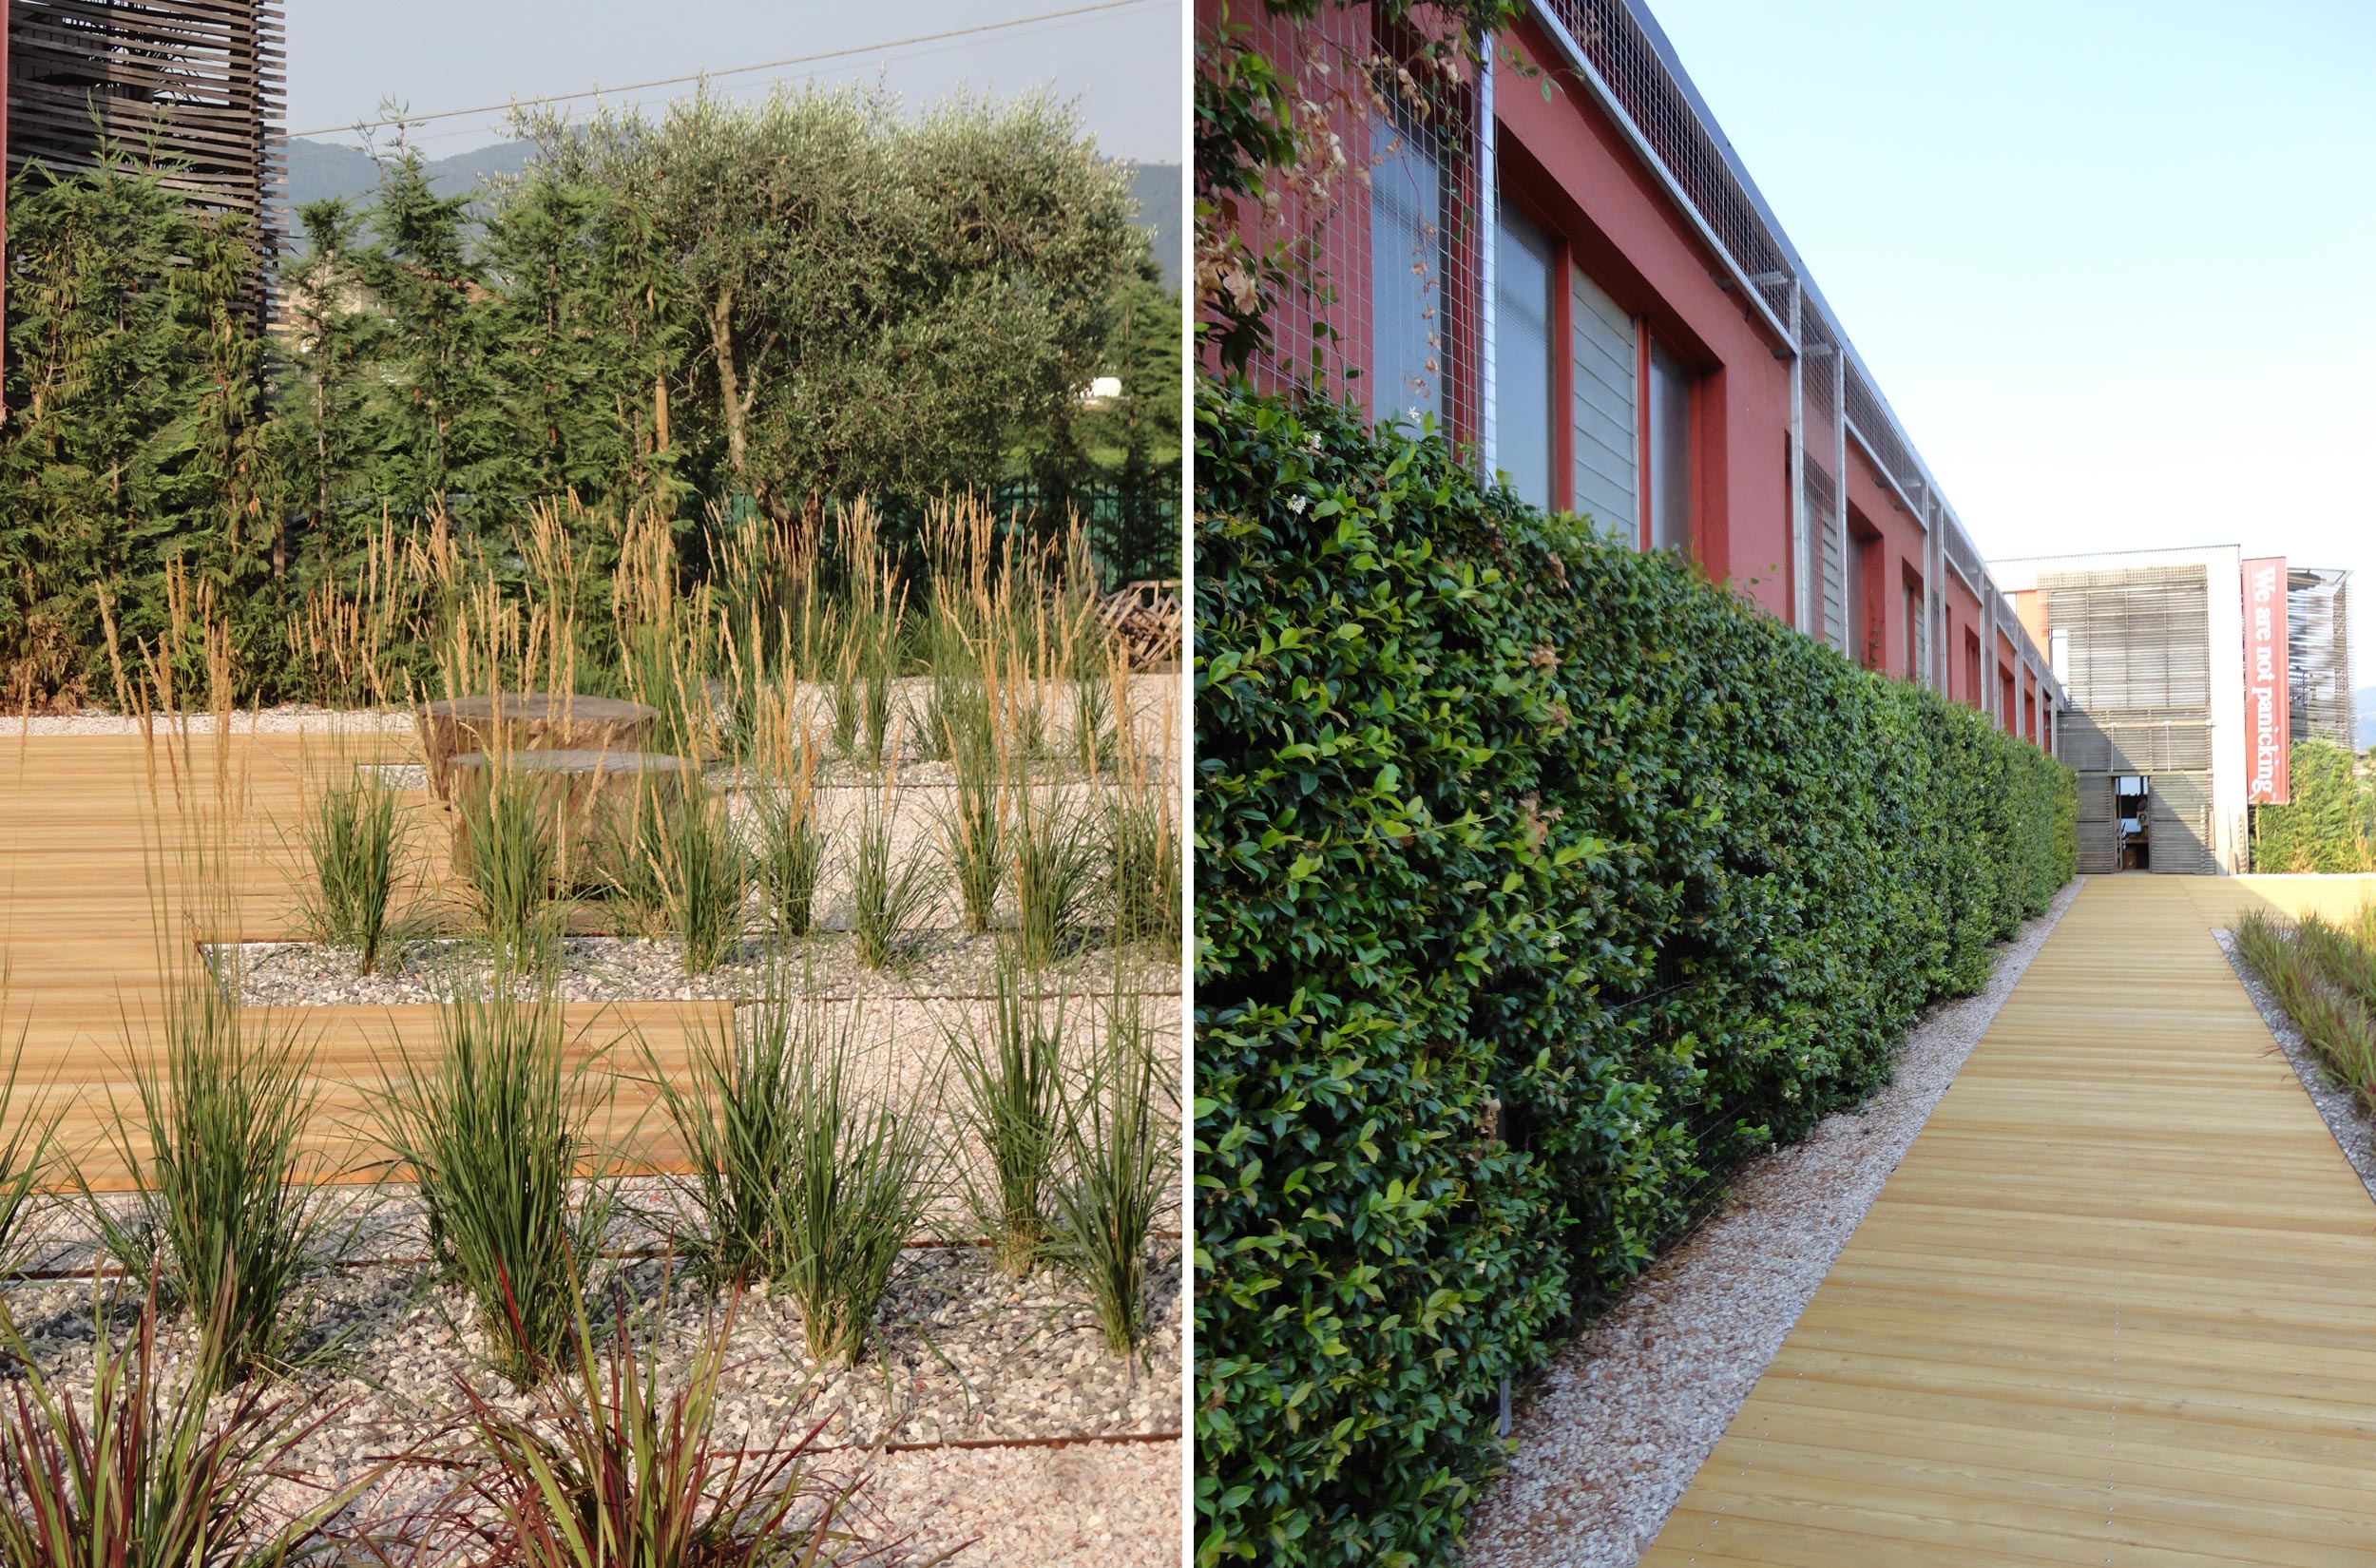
(1924, 653)
(2318, 654)
(1824, 541)
(2135, 646)
(2139, 640)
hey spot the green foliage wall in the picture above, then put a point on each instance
(1538, 883)
(2329, 826)
(772, 306)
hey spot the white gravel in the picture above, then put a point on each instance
(2354, 1129)
(1084, 1505)
(935, 963)
(1611, 1433)
(960, 1355)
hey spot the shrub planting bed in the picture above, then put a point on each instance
(1540, 883)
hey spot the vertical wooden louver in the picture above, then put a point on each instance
(199, 81)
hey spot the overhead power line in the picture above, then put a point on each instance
(733, 70)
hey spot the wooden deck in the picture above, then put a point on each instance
(2117, 1306)
(100, 901)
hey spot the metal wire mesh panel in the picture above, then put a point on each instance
(1878, 431)
(1623, 57)
(1404, 219)
(1960, 553)
(2318, 654)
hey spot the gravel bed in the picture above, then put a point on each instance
(609, 968)
(1088, 1506)
(1611, 1433)
(962, 1353)
(2354, 1129)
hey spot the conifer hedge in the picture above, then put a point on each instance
(1540, 882)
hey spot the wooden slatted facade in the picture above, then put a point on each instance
(200, 81)
(2139, 676)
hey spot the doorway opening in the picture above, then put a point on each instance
(2131, 795)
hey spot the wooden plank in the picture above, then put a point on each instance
(97, 905)
(2117, 1305)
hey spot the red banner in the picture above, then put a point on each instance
(2267, 728)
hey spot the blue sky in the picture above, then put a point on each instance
(2114, 264)
(1122, 65)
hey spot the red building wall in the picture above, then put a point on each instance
(1573, 173)
(1570, 169)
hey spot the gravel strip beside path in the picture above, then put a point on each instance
(2354, 1129)
(1610, 1435)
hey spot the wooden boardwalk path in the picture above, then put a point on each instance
(2117, 1305)
(97, 905)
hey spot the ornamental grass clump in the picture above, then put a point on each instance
(1095, 743)
(973, 840)
(1058, 864)
(1117, 1154)
(1145, 872)
(857, 1190)
(2335, 1024)
(24, 1153)
(627, 1469)
(495, 1130)
(2344, 954)
(509, 859)
(224, 1218)
(891, 886)
(734, 1108)
(693, 866)
(1013, 1076)
(353, 837)
(788, 857)
(129, 1476)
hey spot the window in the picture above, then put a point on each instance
(1526, 270)
(1405, 278)
(1910, 596)
(1971, 660)
(1605, 441)
(1669, 456)
(1860, 638)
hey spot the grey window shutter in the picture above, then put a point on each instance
(1607, 478)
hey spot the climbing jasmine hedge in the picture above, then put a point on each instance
(1538, 883)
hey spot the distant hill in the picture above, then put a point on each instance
(319, 169)
(1157, 187)
(2363, 715)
